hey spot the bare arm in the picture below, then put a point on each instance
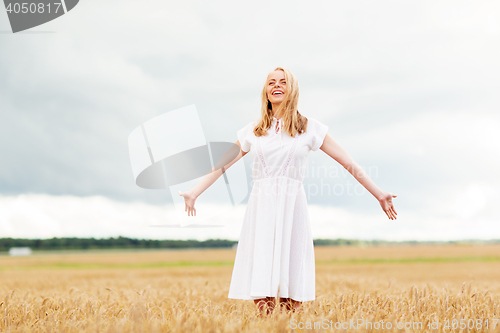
(335, 151)
(229, 158)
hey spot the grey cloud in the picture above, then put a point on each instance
(69, 100)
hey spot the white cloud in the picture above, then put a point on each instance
(44, 216)
(475, 198)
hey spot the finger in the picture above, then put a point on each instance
(387, 214)
(185, 207)
(395, 195)
(394, 211)
(180, 193)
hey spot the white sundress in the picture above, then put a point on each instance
(275, 249)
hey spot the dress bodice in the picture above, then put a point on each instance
(278, 154)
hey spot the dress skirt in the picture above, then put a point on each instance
(275, 253)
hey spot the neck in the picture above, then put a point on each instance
(275, 110)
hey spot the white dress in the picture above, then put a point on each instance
(275, 251)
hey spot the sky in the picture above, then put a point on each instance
(409, 89)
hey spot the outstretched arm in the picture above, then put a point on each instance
(229, 158)
(335, 151)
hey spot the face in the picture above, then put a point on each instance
(276, 87)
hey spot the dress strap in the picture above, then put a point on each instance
(261, 157)
(291, 152)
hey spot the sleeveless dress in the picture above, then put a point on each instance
(275, 252)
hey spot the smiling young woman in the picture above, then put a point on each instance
(275, 255)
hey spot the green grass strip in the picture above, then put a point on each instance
(74, 265)
(409, 260)
(180, 264)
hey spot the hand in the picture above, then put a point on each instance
(189, 200)
(387, 206)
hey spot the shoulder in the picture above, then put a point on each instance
(247, 130)
(315, 133)
(312, 120)
(312, 124)
(246, 137)
(251, 125)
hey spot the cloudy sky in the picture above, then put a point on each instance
(408, 88)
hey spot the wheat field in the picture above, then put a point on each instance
(449, 288)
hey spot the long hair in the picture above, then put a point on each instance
(293, 121)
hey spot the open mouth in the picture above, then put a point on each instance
(277, 93)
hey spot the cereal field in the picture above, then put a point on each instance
(405, 289)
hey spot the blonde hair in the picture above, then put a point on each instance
(293, 121)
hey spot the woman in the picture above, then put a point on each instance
(275, 254)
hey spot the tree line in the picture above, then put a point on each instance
(73, 243)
